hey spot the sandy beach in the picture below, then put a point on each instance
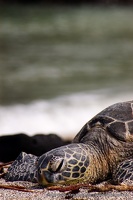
(38, 194)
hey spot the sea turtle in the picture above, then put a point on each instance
(102, 149)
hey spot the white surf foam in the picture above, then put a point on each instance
(64, 115)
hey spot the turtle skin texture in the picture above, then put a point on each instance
(102, 149)
(24, 168)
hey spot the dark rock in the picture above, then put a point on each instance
(12, 145)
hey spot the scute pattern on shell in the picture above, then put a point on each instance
(117, 119)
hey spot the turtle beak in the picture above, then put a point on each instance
(50, 168)
(44, 178)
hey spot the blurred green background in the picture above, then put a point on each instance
(46, 52)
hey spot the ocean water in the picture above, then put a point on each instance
(61, 66)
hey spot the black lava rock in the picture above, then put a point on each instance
(12, 145)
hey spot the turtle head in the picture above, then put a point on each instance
(63, 165)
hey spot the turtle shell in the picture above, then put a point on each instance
(116, 120)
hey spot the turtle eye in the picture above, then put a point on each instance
(39, 170)
(56, 164)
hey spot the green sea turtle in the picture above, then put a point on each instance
(102, 149)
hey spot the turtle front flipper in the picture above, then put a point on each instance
(124, 172)
(23, 168)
